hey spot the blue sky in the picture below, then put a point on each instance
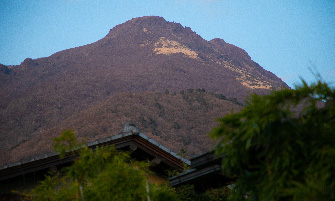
(285, 37)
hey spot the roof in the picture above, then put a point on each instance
(205, 173)
(128, 138)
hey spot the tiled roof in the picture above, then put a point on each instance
(128, 133)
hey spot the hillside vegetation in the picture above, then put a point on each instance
(177, 120)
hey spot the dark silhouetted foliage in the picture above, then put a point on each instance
(281, 146)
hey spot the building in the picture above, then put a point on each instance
(205, 173)
(26, 173)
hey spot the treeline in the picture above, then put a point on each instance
(186, 92)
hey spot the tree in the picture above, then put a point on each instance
(100, 174)
(188, 193)
(281, 146)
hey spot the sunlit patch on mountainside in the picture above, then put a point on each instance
(246, 78)
(166, 46)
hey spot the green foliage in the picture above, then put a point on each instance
(106, 174)
(188, 193)
(281, 146)
(219, 194)
(118, 181)
(100, 174)
(164, 193)
(65, 142)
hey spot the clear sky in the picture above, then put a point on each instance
(286, 37)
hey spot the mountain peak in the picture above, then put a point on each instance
(145, 54)
(149, 19)
(148, 24)
(145, 21)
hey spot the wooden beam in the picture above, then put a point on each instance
(155, 161)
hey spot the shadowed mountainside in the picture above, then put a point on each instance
(177, 120)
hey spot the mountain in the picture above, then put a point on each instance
(145, 56)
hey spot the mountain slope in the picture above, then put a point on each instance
(177, 120)
(143, 54)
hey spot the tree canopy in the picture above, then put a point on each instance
(102, 173)
(107, 174)
(281, 146)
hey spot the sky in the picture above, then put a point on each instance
(293, 39)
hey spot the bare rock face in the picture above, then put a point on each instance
(146, 55)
